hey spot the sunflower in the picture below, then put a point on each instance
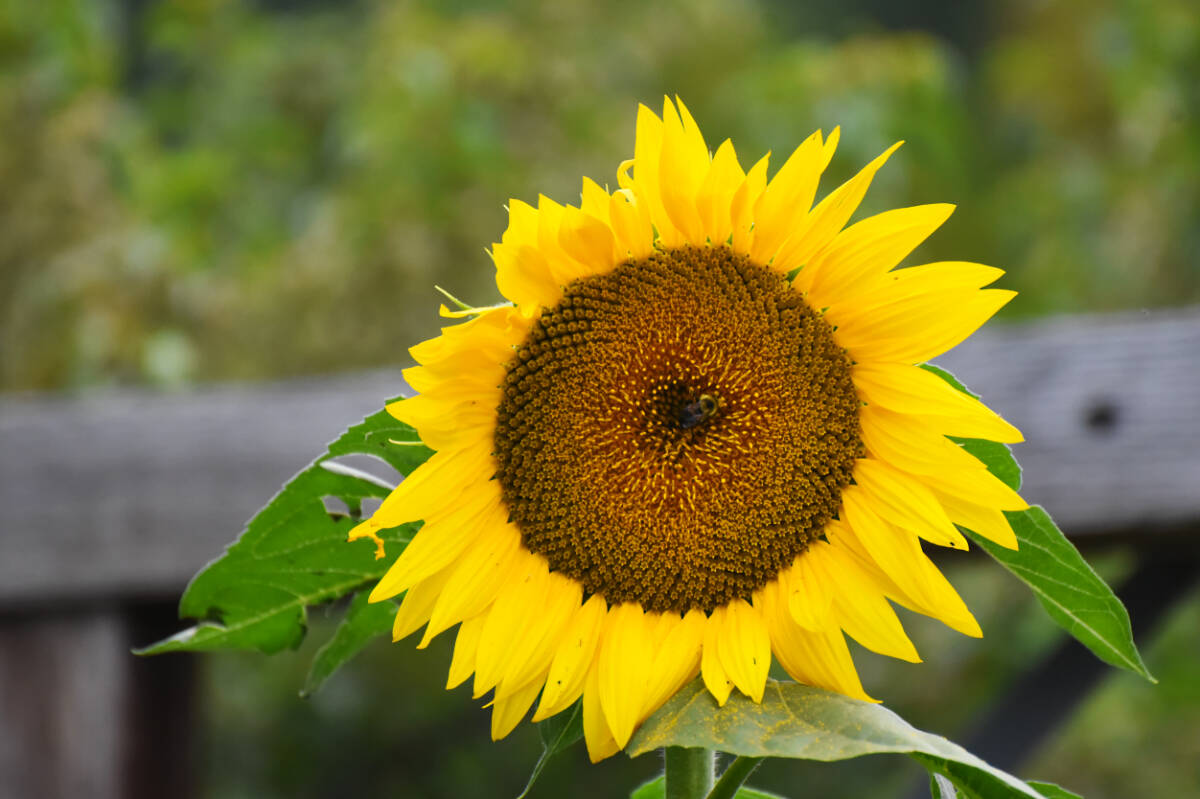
(697, 436)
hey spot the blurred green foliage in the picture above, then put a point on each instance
(223, 189)
(199, 190)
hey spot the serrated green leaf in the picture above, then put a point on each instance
(559, 732)
(364, 621)
(1052, 791)
(1069, 590)
(293, 553)
(799, 721)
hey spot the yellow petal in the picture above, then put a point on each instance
(573, 657)
(715, 197)
(827, 219)
(437, 544)
(588, 240)
(647, 151)
(808, 593)
(523, 276)
(788, 197)
(466, 645)
(493, 332)
(711, 669)
(987, 522)
(952, 614)
(594, 200)
(677, 660)
(683, 163)
(439, 480)
(916, 329)
(976, 485)
(564, 267)
(631, 224)
(522, 224)
(625, 655)
(916, 281)
(899, 554)
(508, 711)
(864, 612)
(550, 607)
(905, 502)
(515, 603)
(744, 648)
(912, 390)
(596, 732)
(416, 606)
(475, 580)
(742, 209)
(868, 249)
(903, 441)
(814, 658)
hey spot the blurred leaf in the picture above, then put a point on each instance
(364, 621)
(799, 721)
(294, 554)
(657, 789)
(558, 733)
(1052, 791)
(654, 789)
(754, 793)
(1069, 589)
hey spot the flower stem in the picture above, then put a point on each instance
(733, 777)
(689, 772)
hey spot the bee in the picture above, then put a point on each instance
(694, 413)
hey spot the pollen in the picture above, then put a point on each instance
(676, 431)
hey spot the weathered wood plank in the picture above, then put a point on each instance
(62, 690)
(130, 493)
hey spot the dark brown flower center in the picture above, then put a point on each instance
(676, 431)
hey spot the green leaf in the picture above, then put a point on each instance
(364, 621)
(559, 732)
(799, 721)
(293, 553)
(1052, 791)
(1072, 593)
(657, 789)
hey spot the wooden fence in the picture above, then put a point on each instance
(111, 501)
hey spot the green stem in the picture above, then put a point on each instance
(689, 772)
(733, 777)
